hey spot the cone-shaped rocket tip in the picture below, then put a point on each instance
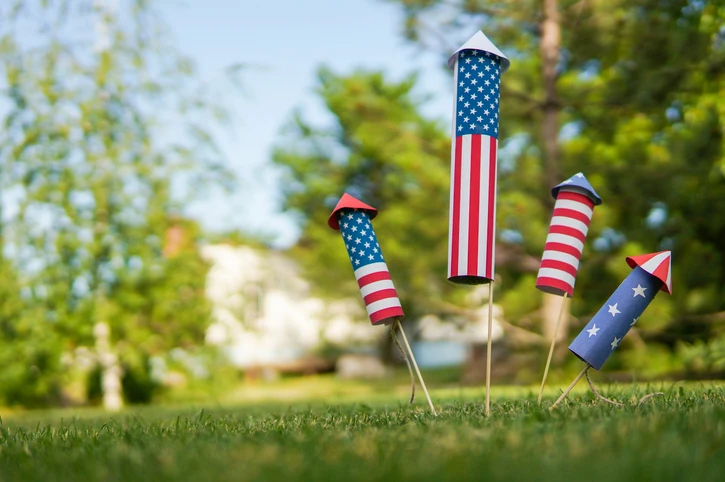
(656, 264)
(479, 41)
(579, 183)
(349, 202)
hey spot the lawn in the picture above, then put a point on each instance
(679, 436)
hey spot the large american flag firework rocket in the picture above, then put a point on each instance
(477, 67)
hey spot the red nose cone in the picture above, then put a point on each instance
(349, 202)
(656, 264)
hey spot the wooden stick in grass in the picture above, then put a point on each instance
(415, 365)
(488, 349)
(553, 344)
(569, 388)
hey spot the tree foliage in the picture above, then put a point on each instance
(100, 117)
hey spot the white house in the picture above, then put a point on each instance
(264, 314)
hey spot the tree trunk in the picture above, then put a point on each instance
(550, 45)
(111, 370)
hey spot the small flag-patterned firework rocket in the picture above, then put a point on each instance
(605, 331)
(477, 67)
(575, 201)
(352, 218)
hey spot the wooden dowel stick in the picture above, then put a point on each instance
(553, 343)
(488, 348)
(566, 392)
(417, 370)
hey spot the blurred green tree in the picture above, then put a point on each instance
(30, 354)
(101, 116)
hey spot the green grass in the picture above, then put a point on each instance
(677, 437)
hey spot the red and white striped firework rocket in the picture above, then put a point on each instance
(352, 218)
(477, 66)
(575, 201)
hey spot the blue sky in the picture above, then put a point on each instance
(284, 42)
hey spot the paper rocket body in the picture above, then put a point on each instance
(477, 66)
(607, 328)
(353, 218)
(575, 201)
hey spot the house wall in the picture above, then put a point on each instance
(264, 313)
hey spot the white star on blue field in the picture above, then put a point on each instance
(360, 240)
(477, 92)
(605, 331)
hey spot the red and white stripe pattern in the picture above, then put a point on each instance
(565, 242)
(472, 228)
(378, 292)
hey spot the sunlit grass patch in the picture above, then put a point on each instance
(680, 436)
